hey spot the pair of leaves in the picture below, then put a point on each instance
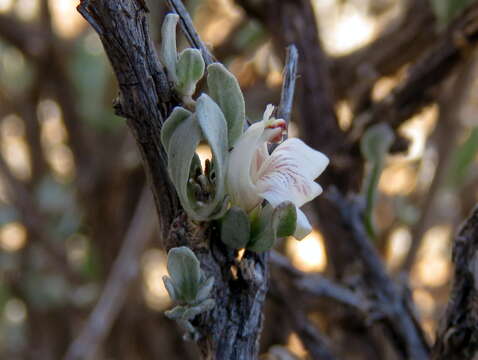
(260, 234)
(218, 118)
(187, 284)
(187, 69)
(180, 136)
(184, 70)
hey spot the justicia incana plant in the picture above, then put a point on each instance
(254, 195)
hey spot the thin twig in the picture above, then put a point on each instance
(288, 85)
(316, 285)
(189, 31)
(123, 274)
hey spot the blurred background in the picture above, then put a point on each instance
(71, 179)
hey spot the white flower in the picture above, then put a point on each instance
(287, 174)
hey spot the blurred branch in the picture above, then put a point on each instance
(311, 338)
(47, 54)
(29, 38)
(458, 332)
(34, 221)
(420, 86)
(315, 285)
(120, 280)
(390, 306)
(355, 74)
(450, 101)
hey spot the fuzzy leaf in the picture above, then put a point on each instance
(178, 115)
(176, 313)
(284, 219)
(185, 272)
(226, 92)
(169, 285)
(168, 53)
(214, 129)
(235, 228)
(181, 150)
(195, 310)
(205, 289)
(189, 70)
(376, 142)
(375, 145)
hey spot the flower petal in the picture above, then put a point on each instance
(288, 174)
(310, 161)
(239, 184)
(303, 227)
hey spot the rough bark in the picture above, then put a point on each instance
(231, 330)
(457, 335)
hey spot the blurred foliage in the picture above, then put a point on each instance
(446, 10)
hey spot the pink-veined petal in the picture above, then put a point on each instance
(285, 177)
(240, 185)
(310, 161)
(303, 227)
(260, 156)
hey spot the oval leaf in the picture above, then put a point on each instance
(189, 70)
(214, 129)
(168, 53)
(181, 152)
(226, 92)
(185, 272)
(178, 115)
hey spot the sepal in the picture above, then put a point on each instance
(235, 228)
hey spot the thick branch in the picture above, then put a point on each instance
(144, 89)
(457, 337)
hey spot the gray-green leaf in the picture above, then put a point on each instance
(185, 272)
(214, 129)
(178, 115)
(168, 53)
(235, 228)
(182, 144)
(226, 92)
(189, 70)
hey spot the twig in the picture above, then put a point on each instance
(189, 31)
(315, 343)
(316, 285)
(122, 276)
(288, 85)
(457, 336)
